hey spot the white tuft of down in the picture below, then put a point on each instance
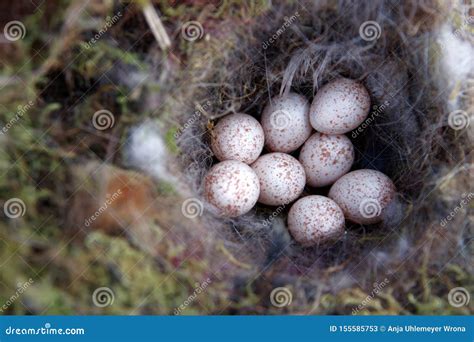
(146, 150)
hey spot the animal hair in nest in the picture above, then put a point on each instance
(407, 138)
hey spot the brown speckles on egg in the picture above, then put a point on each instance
(315, 219)
(344, 99)
(285, 122)
(326, 158)
(363, 195)
(281, 176)
(237, 137)
(232, 188)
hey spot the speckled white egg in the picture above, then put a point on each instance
(339, 106)
(282, 178)
(237, 137)
(326, 158)
(232, 188)
(315, 219)
(285, 122)
(363, 195)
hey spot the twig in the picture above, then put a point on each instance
(156, 26)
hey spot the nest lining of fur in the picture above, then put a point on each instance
(405, 137)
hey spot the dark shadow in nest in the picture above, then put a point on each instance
(320, 44)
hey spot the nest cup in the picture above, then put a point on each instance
(300, 48)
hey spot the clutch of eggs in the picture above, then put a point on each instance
(244, 176)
